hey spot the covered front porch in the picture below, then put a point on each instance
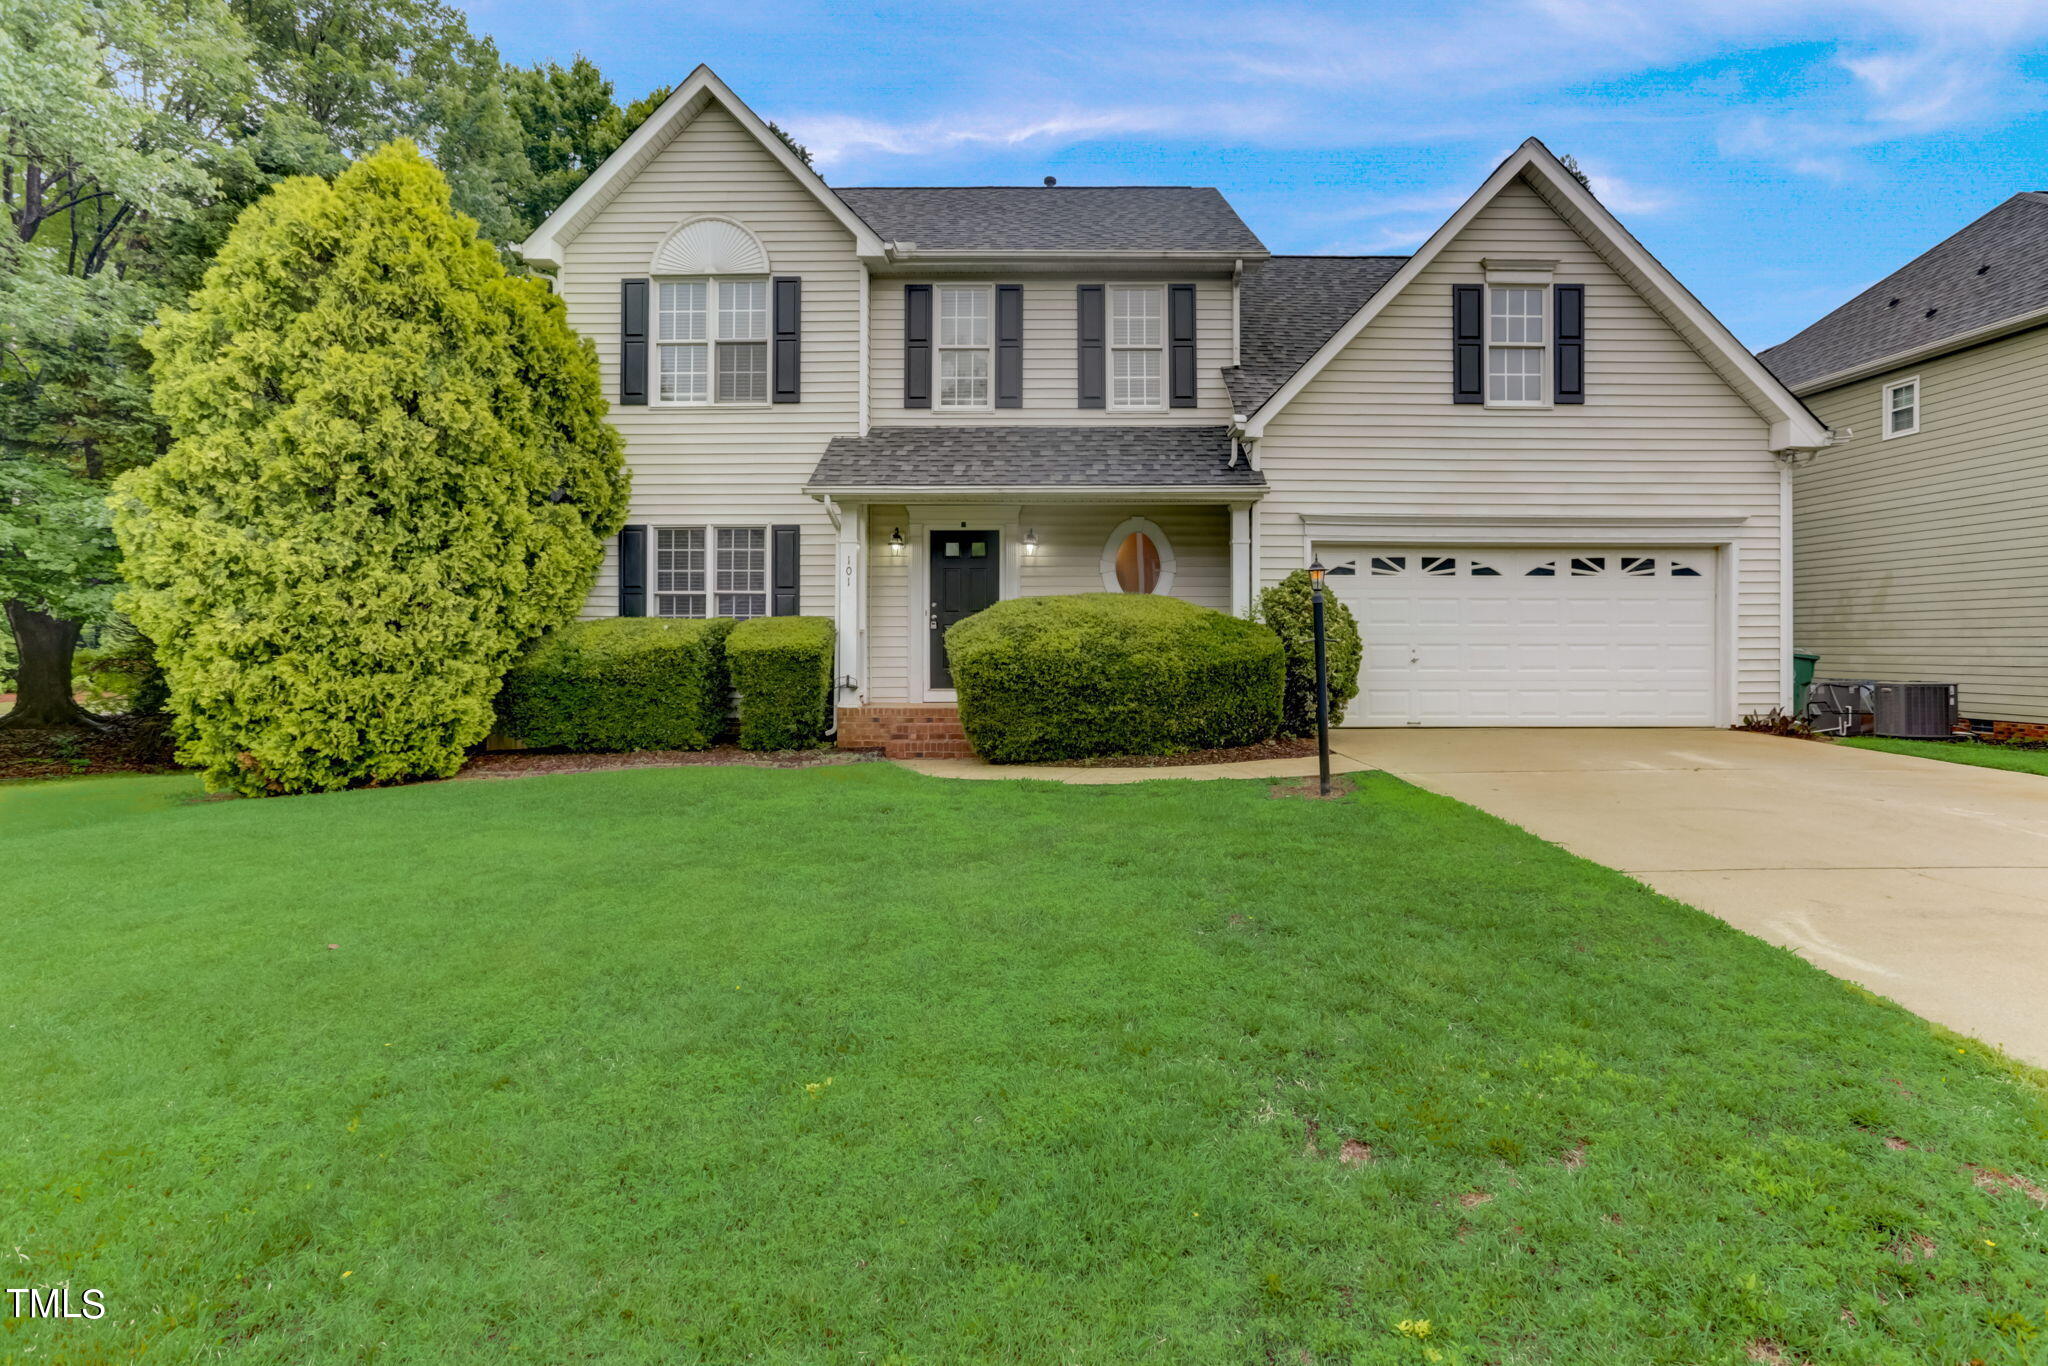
(914, 559)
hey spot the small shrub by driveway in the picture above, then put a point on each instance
(729, 1064)
(1051, 678)
(1289, 609)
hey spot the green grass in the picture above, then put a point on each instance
(852, 1065)
(1959, 752)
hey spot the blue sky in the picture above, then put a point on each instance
(1778, 156)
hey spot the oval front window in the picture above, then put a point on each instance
(1137, 564)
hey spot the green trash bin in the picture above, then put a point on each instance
(1804, 662)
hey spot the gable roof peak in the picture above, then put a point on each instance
(1792, 425)
(700, 90)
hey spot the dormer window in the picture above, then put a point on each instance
(1137, 343)
(1515, 344)
(965, 338)
(711, 341)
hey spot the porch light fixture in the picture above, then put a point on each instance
(1031, 541)
(896, 541)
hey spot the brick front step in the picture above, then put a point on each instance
(906, 731)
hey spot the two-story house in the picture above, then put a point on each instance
(1923, 532)
(1547, 480)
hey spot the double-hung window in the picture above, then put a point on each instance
(711, 571)
(711, 341)
(1902, 408)
(1137, 346)
(1516, 344)
(966, 331)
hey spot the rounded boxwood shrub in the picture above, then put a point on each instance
(782, 670)
(1044, 679)
(1286, 608)
(618, 684)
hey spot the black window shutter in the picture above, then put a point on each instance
(1009, 346)
(789, 336)
(1180, 318)
(1468, 343)
(632, 571)
(917, 346)
(1089, 330)
(632, 341)
(788, 565)
(1571, 344)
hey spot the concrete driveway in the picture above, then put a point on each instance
(1925, 881)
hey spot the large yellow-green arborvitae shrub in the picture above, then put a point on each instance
(391, 469)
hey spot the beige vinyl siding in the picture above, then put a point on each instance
(726, 466)
(1660, 433)
(1071, 540)
(1926, 556)
(1051, 362)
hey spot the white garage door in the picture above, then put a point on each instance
(1477, 636)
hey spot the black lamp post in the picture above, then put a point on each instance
(1315, 595)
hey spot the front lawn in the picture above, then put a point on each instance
(1959, 752)
(853, 1065)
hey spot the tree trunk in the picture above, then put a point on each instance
(43, 692)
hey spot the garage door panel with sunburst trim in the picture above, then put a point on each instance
(1530, 637)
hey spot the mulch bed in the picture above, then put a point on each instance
(532, 763)
(1239, 754)
(1341, 785)
(125, 746)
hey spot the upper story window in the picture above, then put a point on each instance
(1902, 408)
(1137, 346)
(966, 334)
(711, 341)
(1516, 347)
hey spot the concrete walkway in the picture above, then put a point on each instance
(1925, 881)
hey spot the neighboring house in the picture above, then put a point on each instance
(1544, 476)
(1922, 532)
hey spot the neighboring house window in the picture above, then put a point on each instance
(711, 341)
(1515, 344)
(711, 571)
(1137, 342)
(1902, 408)
(1137, 559)
(965, 334)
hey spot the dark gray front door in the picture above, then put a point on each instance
(966, 577)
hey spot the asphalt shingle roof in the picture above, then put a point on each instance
(1027, 456)
(1993, 270)
(1290, 306)
(1056, 218)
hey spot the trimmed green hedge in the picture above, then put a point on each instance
(1043, 679)
(782, 669)
(618, 684)
(1287, 608)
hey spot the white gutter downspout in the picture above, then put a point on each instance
(1785, 587)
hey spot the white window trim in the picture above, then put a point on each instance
(1110, 348)
(651, 572)
(939, 350)
(1885, 415)
(709, 343)
(1541, 284)
(1164, 588)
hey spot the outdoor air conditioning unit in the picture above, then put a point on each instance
(1915, 711)
(1840, 706)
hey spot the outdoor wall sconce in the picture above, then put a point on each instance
(1031, 541)
(896, 541)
